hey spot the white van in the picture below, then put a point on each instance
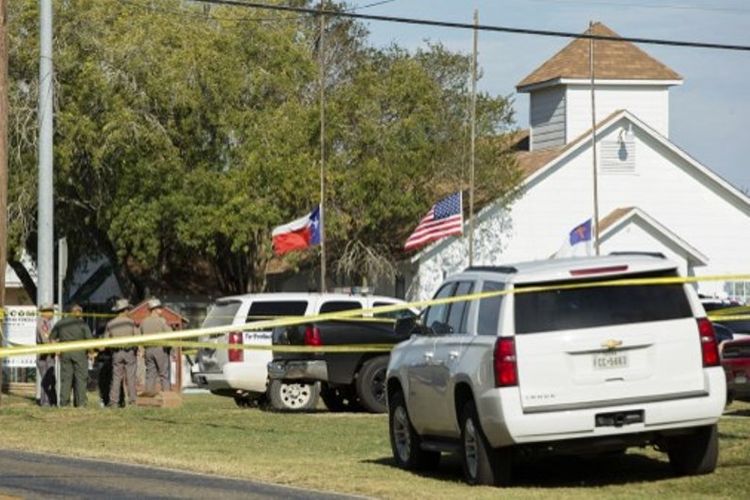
(242, 374)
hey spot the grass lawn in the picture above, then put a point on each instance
(343, 452)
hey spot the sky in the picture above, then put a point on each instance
(708, 113)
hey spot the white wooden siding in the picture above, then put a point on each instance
(547, 118)
(648, 103)
(667, 188)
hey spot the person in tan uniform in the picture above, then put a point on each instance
(157, 357)
(123, 358)
(45, 363)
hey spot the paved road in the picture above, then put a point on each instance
(32, 475)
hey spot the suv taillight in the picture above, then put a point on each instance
(312, 336)
(709, 346)
(236, 355)
(506, 373)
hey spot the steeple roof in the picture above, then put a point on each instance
(613, 60)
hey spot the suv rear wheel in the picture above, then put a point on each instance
(294, 396)
(696, 453)
(405, 442)
(481, 463)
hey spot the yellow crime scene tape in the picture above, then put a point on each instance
(167, 337)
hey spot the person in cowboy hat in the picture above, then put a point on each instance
(124, 358)
(157, 358)
(45, 363)
(74, 365)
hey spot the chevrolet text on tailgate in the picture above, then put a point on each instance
(553, 368)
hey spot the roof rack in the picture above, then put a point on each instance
(493, 269)
(647, 254)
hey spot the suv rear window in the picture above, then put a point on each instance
(598, 306)
(222, 313)
(274, 309)
(339, 305)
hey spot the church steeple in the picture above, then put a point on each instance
(626, 78)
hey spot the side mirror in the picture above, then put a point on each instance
(405, 326)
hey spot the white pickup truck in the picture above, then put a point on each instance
(243, 374)
(567, 370)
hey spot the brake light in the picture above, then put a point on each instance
(709, 346)
(506, 373)
(598, 270)
(236, 355)
(312, 336)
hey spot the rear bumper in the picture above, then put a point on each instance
(234, 377)
(505, 423)
(298, 370)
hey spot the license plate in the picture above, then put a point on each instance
(740, 378)
(610, 360)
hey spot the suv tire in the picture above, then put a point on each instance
(371, 384)
(696, 453)
(481, 463)
(293, 396)
(405, 442)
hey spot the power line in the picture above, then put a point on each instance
(469, 26)
(187, 12)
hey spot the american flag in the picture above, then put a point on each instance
(445, 218)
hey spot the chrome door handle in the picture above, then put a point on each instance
(429, 356)
(453, 355)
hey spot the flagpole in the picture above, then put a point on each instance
(473, 137)
(321, 64)
(593, 140)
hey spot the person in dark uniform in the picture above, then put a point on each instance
(157, 358)
(74, 366)
(45, 363)
(123, 358)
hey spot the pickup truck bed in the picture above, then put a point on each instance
(350, 380)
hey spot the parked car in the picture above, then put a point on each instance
(723, 333)
(243, 374)
(349, 380)
(587, 370)
(735, 358)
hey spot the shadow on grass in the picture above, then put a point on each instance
(737, 413)
(563, 471)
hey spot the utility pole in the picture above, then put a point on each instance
(322, 84)
(473, 137)
(3, 166)
(45, 241)
(593, 141)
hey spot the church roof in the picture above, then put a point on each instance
(613, 60)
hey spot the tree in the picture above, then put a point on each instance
(183, 135)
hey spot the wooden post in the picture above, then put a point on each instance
(3, 163)
(322, 84)
(593, 142)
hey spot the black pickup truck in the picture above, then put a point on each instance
(349, 381)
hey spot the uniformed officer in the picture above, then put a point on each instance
(157, 358)
(45, 363)
(124, 359)
(74, 366)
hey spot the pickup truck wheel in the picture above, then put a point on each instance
(481, 463)
(696, 453)
(371, 384)
(405, 442)
(338, 399)
(293, 396)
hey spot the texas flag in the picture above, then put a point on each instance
(298, 234)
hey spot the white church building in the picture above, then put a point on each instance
(652, 196)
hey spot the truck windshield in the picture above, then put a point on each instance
(598, 306)
(221, 313)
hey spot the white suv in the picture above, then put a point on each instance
(565, 371)
(243, 374)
